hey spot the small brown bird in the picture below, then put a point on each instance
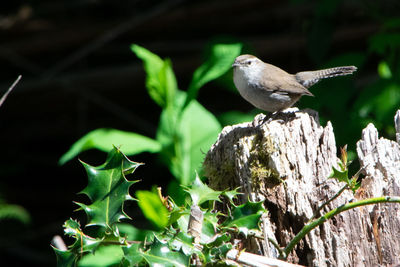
(270, 88)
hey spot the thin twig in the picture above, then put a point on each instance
(3, 98)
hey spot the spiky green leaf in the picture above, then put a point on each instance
(65, 258)
(83, 243)
(231, 194)
(217, 249)
(245, 217)
(341, 175)
(160, 254)
(132, 254)
(108, 189)
(200, 193)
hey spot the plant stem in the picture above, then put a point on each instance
(327, 202)
(310, 226)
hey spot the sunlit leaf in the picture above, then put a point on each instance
(104, 140)
(185, 138)
(218, 62)
(200, 193)
(160, 79)
(231, 194)
(245, 217)
(217, 249)
(384, 70)
(341, 175)
(110, 255)
(160, 254)
(152, 208)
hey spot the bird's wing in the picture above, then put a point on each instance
(280, 81)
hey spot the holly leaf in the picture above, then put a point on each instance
(160, 254)
(232, 194)
(65, 258)
(108, 189)
(83, 244)
(218, 248)
(340, 175)
(245, 217)
(210, 225)
(200, 193)
(132, 254)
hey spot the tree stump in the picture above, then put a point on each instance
(285, 160)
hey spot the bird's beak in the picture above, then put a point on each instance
(235, 64)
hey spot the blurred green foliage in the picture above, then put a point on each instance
(185, 128)
(352, 102)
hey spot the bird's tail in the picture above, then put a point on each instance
(309, 78)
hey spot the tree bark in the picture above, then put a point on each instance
(285, 160)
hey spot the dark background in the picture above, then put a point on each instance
(78, 74)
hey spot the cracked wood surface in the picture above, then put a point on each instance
(285, 159)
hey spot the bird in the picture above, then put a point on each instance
(272, 89)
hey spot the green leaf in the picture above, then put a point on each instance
(180, 241)
(14, 212)
(219, 62)
(83, 244)
(200, 193)
(104, 140)
(132, 254)
(218, 248)
(210, 226)
(245, 217)
(341, 175)
(185, 138)
(65, 258)
(130, 232)
(108, 189)
(152, 208)
(110, 255)
(384, 70)
(160, 254)
(160, 80)
(198, 129)
(232, 194)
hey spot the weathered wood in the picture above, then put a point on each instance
(286, 160)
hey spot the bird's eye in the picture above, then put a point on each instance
(248, 62)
